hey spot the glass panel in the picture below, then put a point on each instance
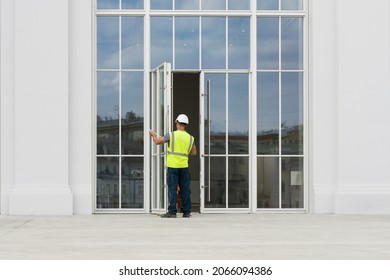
(213, 5)
(238, 5)
(107, 42)
(238, 182)
(206, 120)
(239, 32)
(157, 168)
(292, 4)
(238, 114)
(132, 42)
(213, 42)
(268, 113)
(161, 44)
(132, 195)
(217, 113)
(268, 43)
(267, 182)
(132, 121)
(217, 183)
(187, 42)
(292, 182)
(292, 113)
(107, 182)
(161, 4)
(154, 180)
(107, 113)
(267, 4)
(292, 43)
(107, 4)
(133, 4)
(186, 4)
(158, 183)
(161, 200)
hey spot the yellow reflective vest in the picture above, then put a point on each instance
(180, 145)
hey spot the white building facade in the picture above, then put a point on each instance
(288, 102)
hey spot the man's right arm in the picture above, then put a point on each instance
(156, 139)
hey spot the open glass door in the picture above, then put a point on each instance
(161, 121)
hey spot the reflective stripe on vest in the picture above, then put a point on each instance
(180, 145)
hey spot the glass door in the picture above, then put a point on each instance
(224, 142)
(161, 120)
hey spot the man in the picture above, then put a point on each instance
(180, 145)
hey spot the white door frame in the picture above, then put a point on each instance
(161, 122)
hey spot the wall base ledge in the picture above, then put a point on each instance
(82, 199)
(324, 196)
(362, 199)
(41, 200)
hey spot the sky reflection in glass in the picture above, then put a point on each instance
(161, 4)
(239, 43)
(267, 43)
(268, 113)
(132, 93)
(213, 5)
(238, 113)
(132, 4)
(132, 42)
(107, 4)
(292, 43)
(238, 5)
(187, 42)
(217, 112)
(267, 4)
(292, 113)
(214, 42)
(161, 45)
(186, 4)
(107, 42)
(292, 5)
(108, 95)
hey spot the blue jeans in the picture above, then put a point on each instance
(179, 176)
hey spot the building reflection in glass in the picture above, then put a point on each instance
(108, 167)
(216, 195)
(268, 182)
(238, 190)
(107, 183)
(292, 182)
(132, 195)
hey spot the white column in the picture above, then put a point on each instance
(323, 105)
(80, 105)
(41, 109)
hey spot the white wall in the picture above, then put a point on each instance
(46, 106)
(7, 131)
(350, 106)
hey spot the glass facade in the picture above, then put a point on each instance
(248, 88)
(119, 109)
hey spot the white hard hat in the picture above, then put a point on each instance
(182, 119)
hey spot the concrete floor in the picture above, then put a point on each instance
(204, 236)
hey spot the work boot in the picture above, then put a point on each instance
(168, 215)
